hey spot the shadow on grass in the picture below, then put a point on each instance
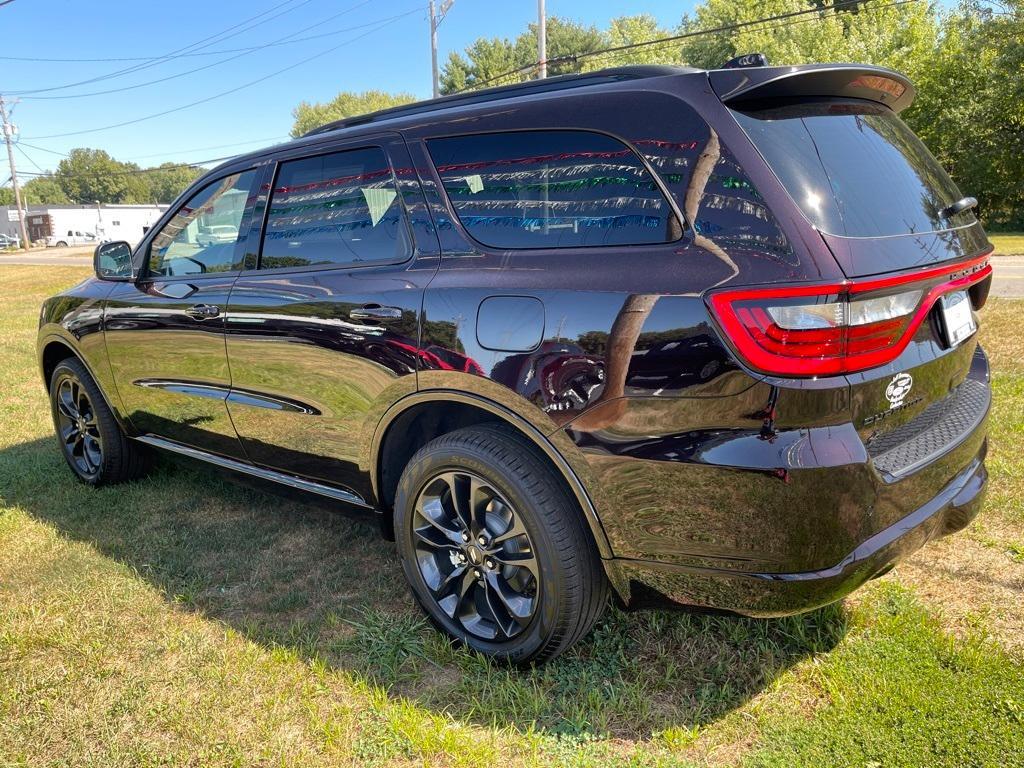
(289, 574)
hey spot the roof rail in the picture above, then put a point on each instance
(558, 83)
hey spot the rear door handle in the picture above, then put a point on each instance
(374, 312)
(202, 311)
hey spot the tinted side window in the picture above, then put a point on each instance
(552, 189)
(341, 208)
(203, 235)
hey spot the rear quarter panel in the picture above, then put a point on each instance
(640, 310)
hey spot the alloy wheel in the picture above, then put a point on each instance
(475, 556)
(77, 427)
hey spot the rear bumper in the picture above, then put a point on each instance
(646, 583)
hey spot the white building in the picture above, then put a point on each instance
(62, 222)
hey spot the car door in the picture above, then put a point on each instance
(325, 332)
(165, 331)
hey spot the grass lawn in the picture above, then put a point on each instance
(185, 620)
(1007, 243)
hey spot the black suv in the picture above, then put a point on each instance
(681, 336)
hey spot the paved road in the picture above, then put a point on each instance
(58, 261)
(80, 256)
(1009, 277)
(1009, 270)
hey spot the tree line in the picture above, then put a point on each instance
(967, 62)
(87, 176)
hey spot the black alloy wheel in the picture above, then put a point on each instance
(77, 427)
(495, 547)
(93, 443)
(475, 555)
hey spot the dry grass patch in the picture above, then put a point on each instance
(183, 620)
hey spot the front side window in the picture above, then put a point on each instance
(342, 208)
(204, 234)
(552, 189)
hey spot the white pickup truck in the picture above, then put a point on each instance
(71, 237)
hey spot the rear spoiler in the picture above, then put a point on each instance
(737, 87)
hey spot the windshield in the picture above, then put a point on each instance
(854, 168)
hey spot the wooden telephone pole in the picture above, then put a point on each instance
(9, 130)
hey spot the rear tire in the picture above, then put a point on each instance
(495, 548)
(91, 440)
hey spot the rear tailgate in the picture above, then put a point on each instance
(877, 197)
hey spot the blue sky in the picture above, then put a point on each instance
(388, 55)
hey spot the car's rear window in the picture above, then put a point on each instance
(854, 168)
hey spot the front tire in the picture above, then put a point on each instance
(61, 244)
(495, 548)
(91, 440)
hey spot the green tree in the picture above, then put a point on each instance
(88, 175)
(169, 180)
(970, 106)
(894, 36)
(6, 196)
(345, 104)
(487, 59)
(630, 30)
(44, 190)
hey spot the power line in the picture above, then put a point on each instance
(21, 143)
(194, 54)
(790, 23)
(840, 5)
(215, 146)
(245, 52)
(134, 171)
(199, 44)
(222, 93)
(29, 158)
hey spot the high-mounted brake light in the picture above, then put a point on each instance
(824, 330)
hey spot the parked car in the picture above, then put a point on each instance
(217, 233)
(701, 338)
(9, 241)
(71, 237)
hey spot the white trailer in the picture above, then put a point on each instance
(81, 224)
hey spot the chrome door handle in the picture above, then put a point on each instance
(373, 312)
(202, 311)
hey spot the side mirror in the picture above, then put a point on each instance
(113, 261)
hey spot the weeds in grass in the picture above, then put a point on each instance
(182, 620)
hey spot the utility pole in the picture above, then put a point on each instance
(8, 130)
(436, 17)
(542, 41)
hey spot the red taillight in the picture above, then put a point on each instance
(823, 330)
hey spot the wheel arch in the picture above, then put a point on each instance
(53, 349)
(448, 410)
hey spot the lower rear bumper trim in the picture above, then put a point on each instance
(646, 583)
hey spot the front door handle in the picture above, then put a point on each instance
(375, 312)
(202, 311)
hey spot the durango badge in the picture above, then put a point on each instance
(898, 389)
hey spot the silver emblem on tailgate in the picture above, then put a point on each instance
(898, 389)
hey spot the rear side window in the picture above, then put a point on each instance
(552, 189)
(854, 168)
(342, 208)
